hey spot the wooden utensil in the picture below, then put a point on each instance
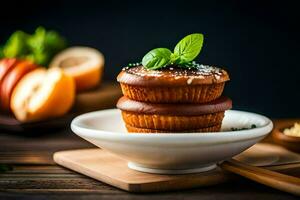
(270, 178)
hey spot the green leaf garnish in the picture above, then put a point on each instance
(189, 47)
(184, 52)
(39, 47)
(44, 45)
(157, 58)
(16, 45)
(1, 52)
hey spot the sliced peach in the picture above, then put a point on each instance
(11, 79)
(43, 94)
(84, 64)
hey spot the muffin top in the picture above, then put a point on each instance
(219, 105)
(172, 76)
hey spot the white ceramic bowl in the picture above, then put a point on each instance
(172, 153)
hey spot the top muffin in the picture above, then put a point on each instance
(172, 76)
(166, 76)
(173, 84)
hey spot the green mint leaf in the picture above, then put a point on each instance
(39, 47)
(189, 47)
(174, 58)
(184, 52)
(54, 41)
(16, 45)
(157, 58)
(36, 41)
(44, 45)
(1, 52)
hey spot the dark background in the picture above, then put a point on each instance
(256, 41)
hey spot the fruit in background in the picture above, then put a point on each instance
(39, 47)
(6, 65)
(84, 64)
(10, 80)
(43, 94)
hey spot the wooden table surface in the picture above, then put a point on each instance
(32, 174)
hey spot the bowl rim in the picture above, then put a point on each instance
(171, 138)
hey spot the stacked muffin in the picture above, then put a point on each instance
(173, 99)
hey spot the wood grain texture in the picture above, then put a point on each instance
(112, 170)
(32, 178)
(105, 167)
(270, 178)
(266, 154)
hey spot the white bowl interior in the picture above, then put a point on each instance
(108, 120)
(111, 121)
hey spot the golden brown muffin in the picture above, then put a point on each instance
(172, 117)
(132, 129)
(173, 84)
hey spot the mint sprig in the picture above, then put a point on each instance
(189, 47)
(157, 58)
(185, 51)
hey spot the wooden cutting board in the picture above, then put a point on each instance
(105, 167)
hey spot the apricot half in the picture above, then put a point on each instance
(43, 94)
(84, 64)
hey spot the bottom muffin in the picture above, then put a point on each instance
(132, 129)
(172, 122)
(149, 117)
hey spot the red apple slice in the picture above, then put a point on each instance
(6, 64)
(11, 79)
